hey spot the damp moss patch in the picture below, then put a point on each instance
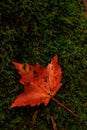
(35, 31)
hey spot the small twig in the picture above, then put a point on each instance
(53, 123)
(34, 117)
(66, 108)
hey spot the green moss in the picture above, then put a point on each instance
(35, 31)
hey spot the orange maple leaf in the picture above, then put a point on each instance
(40, 84)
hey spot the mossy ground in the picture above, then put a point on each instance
(36, 30)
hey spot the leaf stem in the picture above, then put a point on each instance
(66, 108)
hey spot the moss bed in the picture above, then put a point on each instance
(34, 31)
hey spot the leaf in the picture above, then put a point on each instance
(40, 84)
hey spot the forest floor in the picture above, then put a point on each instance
(36, 31)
